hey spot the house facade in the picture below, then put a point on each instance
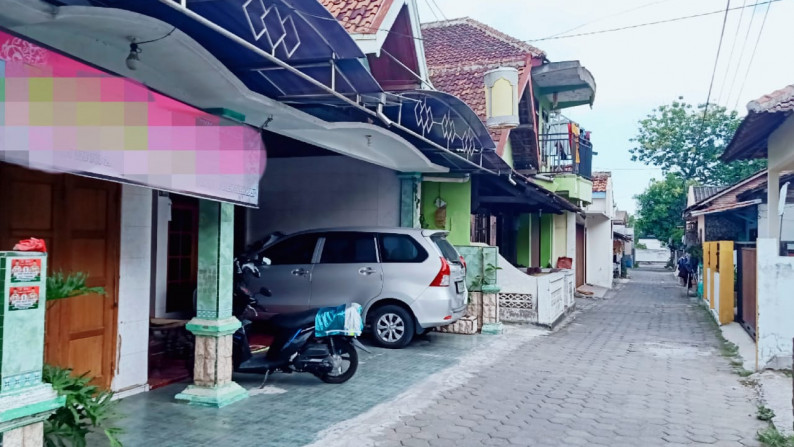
(159, 161)
(767, 272)
(543, 148)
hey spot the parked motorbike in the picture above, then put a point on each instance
(296, 346)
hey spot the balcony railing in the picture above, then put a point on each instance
(562, 153)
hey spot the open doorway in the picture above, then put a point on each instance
(176, 271)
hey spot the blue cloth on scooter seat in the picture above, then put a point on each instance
(295, 320)
(339, 320)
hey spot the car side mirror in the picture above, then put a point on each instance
(265, 291)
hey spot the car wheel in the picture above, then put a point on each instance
(392, 326)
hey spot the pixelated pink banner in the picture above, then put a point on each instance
(58, 114)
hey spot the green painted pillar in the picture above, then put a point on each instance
(410, 199)
(546, 240)
(25, 401)
(214, 323)
(523, 241)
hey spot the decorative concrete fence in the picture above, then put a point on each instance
(718, 280)
(542, 299)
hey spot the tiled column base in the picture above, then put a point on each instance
(490, 310)
(27, 436)
(212, 373)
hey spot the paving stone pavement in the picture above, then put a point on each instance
(640, 368)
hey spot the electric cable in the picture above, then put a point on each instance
(641, 25)
(750, 65)
(741, 56)
(730, 56)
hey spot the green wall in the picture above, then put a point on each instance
(523, 251)
(546, 239)
(458, 199)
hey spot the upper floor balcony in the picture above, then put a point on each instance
(566, 149)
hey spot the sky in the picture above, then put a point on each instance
(639, 69)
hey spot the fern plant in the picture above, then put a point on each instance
(61, 286)
(87, 409)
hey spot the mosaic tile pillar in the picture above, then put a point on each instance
(410, 199)
(214, 324)
(25, 401)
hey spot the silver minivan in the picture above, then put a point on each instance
(407, 280)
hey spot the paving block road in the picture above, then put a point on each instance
(639, 368)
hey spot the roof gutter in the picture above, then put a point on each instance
(727, 208)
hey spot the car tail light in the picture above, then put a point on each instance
(448, 317)
(442, 279)
(463, 261)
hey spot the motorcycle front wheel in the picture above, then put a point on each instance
(348, 357)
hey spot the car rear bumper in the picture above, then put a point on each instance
(436, 308)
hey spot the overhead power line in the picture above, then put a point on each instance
(640, 25)
(741, 56)
(607, 17)
(427, 2)
(716, 61)
(730, 56)
(441, 11)
(750, 65)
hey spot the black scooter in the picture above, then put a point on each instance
(296, 348)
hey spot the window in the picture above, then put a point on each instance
(449, 252)
(401, 248)
(348, 248)
(294, 250)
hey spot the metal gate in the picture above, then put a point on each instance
(747, 289)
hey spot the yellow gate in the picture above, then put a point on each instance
(718, 279)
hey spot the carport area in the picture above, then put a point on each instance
(291, 409)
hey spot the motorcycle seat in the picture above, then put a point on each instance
(295, 320)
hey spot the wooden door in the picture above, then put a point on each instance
(79, 219)
(181, 276)
(580, 256)
(748, 290)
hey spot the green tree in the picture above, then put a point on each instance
(660, 209)
(678, 139)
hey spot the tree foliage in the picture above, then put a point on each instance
(678, 139)
(660, 209)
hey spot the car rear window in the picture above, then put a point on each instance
(400, 248)
(449, 252)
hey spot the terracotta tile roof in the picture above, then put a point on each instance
(601, 181)
(359, 16)
(460, 51)
(467, 42)
(778, 101)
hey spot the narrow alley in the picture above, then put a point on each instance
(640, 368)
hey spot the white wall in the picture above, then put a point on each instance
(599, 251)
(788, 220)
(651, 244)
(132, 357)
(313, 192)
(560, 239)
(775, 329)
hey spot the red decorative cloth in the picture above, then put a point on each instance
(31, 244)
